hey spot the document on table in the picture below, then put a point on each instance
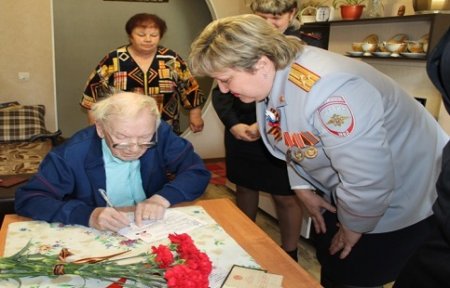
(243, 277)
(174, 221)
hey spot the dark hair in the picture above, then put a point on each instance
(146, 20)
(274, 7)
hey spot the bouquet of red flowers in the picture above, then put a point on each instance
(177, 265)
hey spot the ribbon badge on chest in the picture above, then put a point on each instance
(273, 124)
(300, 145)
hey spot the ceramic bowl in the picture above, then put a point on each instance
(372, 38)
(398, 38)
(425, 47)
(415, 46)
(382, 47)
(368, 48)
(357, 46)
(395, 48)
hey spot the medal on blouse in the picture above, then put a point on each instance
(300, 145)
(311, 152)
(295, 145)
(296, 154)
(310, 139)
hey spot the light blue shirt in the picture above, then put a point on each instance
(123, 179)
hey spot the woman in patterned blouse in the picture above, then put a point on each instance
(143, 66)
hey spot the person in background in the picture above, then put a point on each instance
(362, 154)
(283, 15)
(126, 156)
(430, 265)
(145, 67)
(249, 165)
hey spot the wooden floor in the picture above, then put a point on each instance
(269, 224)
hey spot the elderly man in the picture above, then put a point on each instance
(128, 161)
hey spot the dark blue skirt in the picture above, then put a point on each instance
(376, 259)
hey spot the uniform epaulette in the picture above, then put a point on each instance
(302, 77)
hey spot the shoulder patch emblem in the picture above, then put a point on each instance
(302, 77)
(337, 117)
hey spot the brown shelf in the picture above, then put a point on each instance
(438, 24)
(343, 33)
(393, 19)
(400, 58)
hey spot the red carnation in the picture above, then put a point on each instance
(181, 276)
(164, 257)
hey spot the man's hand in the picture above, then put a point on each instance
(151, 209)
(314, 204)
(108, 219)
(344, 240)
(195, 120)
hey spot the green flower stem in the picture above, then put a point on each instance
(34, 265)
(139, 270)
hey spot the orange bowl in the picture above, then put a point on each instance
(357, 46)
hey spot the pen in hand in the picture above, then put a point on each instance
(105, 197)
(109, 204)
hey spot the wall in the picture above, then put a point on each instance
(209, 143)
(27, 46)
(86, 30)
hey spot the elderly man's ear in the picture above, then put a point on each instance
(99, 129)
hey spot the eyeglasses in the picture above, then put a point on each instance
(128, 145)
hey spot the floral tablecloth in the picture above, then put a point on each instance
(50, 238)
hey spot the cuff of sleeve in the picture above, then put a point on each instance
(81, 215)
(303, 187)
(357, 223)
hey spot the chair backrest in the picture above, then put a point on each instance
(438, 68)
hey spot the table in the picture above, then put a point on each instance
(246, 233)
(7, 195)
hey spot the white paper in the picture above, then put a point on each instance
(154, 230)
(243, 277)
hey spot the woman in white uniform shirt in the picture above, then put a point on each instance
(363, 154)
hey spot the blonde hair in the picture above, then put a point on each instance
(124, 104)
(238, 42)
(277, 7)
